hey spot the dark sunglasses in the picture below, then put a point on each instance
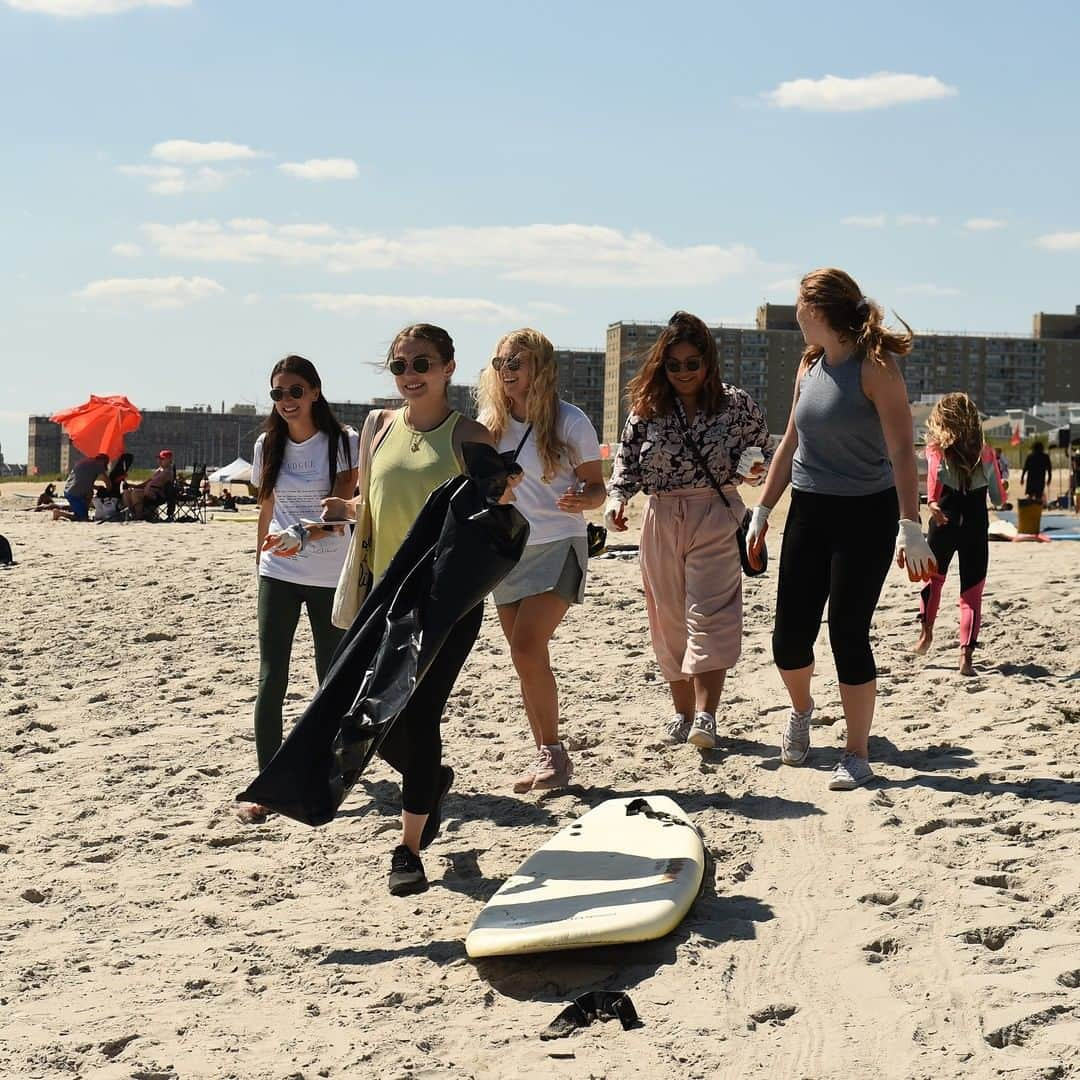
(420, 365)
(515, 362)
(278, 392)
(675, 366)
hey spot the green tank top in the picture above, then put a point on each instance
(407, 466)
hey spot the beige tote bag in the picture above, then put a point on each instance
(355, 580)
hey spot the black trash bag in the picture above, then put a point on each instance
(459, 548)
(595, 1005)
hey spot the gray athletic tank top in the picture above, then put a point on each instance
(841, 447)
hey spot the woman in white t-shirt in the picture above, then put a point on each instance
(302, 456)
(557, 447)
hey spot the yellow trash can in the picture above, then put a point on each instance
(1029, 516)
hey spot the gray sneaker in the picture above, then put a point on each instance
(703, 733)
(852, 772)
(678, 728)
(795, 745)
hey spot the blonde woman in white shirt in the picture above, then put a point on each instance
(558, 450)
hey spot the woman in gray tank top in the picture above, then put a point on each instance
(848, 454)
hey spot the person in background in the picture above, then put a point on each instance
(961, 472)
(1002, 466)
(1075, 465)
(79, 488)
(687, 434)
(1036, 473)
(848, 454)
(143, 499)
(555, 444)
(302, 456)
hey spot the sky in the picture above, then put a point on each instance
(192, 189)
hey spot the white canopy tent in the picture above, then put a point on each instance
(237, 472)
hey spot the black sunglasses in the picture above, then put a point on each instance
(278, 392)
(420, 365)
(515, 362)
(675, 366)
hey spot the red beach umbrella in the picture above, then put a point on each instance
(99, 425)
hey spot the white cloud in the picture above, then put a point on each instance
(545, 307)
(82, 8)
(159, 172)
(160, 292)
(836, 94)
(322, 169)
(127, 251)
(568, 255)
(308, 232)
(865, 221)
(252, 298)
(928, 288)
(916, 219)
(412, 306)
(186, 152)
(172, 180)
(250, 224)
(1061, 241)
(984, 224)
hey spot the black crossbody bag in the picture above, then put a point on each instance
(740, 526)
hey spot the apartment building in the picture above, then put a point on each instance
(581, 382)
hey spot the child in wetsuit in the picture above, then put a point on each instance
(961, 472)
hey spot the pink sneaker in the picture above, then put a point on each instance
(554, 768)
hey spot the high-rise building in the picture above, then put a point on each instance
(581, 382)
(999, 371)
(762, 359)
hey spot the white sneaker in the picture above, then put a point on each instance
(795, 745)
(852, 772)
(703, 733)
(678, 728)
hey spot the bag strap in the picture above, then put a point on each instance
(699, 457)
(521, 445)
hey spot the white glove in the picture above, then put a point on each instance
(744, 468)
(614, 508)
(759, 524)
(914, 552)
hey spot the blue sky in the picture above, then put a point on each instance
(193, 189)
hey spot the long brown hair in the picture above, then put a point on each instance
(277, 431)
(649, 394)
(955, 428)
(541, 403)
(856, 318)
(433, 335)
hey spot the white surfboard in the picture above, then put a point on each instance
(610, 877)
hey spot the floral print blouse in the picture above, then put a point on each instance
(653, 455)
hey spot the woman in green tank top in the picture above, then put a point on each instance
(414, 450)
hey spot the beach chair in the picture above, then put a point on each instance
(190, 500)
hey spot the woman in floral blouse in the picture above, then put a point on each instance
(689, 553)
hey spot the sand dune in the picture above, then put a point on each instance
(925, 926)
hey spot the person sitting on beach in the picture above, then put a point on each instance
(227, 501)
(1036, 473)
(961, 472)
(556, 446)
(690, 562)
(48, 496)
(848, 453)
(79, 489)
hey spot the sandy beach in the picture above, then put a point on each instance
(927, 926)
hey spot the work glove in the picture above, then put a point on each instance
(913, 552)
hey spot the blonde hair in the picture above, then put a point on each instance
(855, 317)
(955, 428)
(541, 403)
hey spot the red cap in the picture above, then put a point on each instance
(165, 453)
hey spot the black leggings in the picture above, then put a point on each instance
(414, 745)
(836, 548)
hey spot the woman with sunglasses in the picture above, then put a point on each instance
(302, 456)
(688, 433)
(415, 449)
(556, 446)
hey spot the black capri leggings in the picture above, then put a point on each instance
(414, 745)
(836, 548)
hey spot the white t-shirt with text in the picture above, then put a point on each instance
(302, 484)
(536, 499)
